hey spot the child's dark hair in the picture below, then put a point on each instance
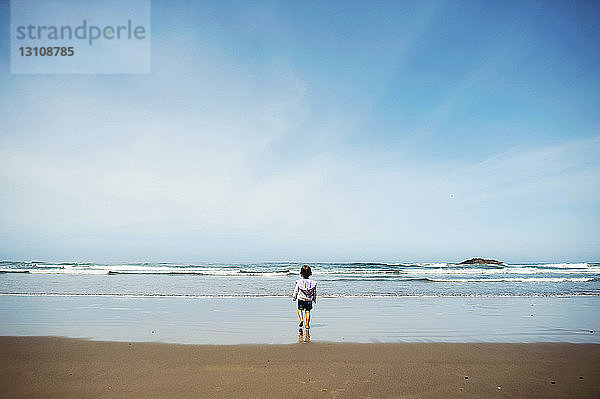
(305, 271)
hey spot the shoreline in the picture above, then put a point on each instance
(56, 367)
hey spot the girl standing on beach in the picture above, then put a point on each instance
(306, 292)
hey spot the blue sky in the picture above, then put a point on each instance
(399, 131)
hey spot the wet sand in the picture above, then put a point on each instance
(69, 368)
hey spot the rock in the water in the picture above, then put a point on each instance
(474, 261)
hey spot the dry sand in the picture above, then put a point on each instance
(69, 368)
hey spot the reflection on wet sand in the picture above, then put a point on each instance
(302, 336)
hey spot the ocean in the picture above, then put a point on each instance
(225, 303)
(277, 279)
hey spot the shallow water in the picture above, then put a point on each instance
(273, 320)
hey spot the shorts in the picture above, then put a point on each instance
(304, 305)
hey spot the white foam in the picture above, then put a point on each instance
(516, 280)
(68, 271)
(505, 270)
(581, 265)
(433, 265)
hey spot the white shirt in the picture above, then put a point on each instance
(305, 290)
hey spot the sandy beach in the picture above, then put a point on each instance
(69, 368)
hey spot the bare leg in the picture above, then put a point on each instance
(308, 319)
(300, 314)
